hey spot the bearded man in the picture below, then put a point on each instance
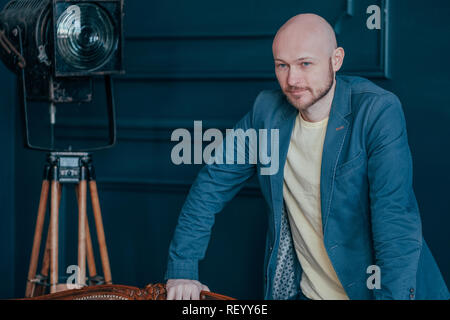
(342, 202)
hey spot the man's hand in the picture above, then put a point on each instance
(184, 289)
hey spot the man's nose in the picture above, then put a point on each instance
(295, 77)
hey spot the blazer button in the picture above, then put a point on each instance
(411, 296)
(411, 290)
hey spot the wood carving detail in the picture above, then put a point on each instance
(121, 292)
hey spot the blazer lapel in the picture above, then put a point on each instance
(337, 130)
(285, 124)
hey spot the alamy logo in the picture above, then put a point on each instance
(374, 20)
(241, 147)
(73, 280)
(374, 281)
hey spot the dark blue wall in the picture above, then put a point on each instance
(7, 215)
(203, 60)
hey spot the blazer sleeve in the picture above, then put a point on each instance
(215, 185)
(396, 224)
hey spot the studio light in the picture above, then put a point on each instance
(56, 47)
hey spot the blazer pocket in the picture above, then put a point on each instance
(349, 166)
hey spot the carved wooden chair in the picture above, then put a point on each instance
(121, 292)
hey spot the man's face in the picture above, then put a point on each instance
(304, 71)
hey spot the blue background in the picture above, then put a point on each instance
(203, 60)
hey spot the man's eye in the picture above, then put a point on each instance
(281, 66)
(306, 64)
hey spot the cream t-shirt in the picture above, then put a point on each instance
(301, 192)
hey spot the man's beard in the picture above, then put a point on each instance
(321, 92)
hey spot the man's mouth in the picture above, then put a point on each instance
(297, 92)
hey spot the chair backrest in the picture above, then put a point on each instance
(121, 292)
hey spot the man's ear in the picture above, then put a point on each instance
(338, 58)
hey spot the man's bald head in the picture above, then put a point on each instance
(311, 30)
(306, 59)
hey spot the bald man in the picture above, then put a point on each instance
(343, 221)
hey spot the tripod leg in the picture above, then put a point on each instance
(54, 235)
(40, 290)
(37, 239)
(89, 248)
(46, 261)
(82, 188)
(100, 232)
(90, 253)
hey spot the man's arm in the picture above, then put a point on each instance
(216, 184)
(396, 225)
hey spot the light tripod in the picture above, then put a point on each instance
(63, 168)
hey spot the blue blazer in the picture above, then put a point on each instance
(369, 211)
